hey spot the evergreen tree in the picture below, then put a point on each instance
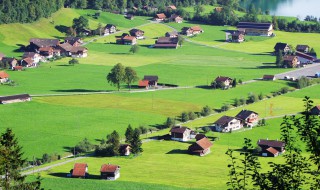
(136, 142)
(80, 23)
(279, 59)
(116, 75)
(129, 134)
(114, 140)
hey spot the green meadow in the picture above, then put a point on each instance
(74, 102)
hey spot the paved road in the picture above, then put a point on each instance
(309, 70)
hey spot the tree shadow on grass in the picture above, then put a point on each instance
(81, 90)
(206, 87)
(177, 151)
(62, 28)
(60, 174)
(65, 65)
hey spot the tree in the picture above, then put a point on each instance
(80, 23)
(184, 117)
(129, 134)
(180, 40)
(136, 142)
(234, 82)
(134, 49)
(73, 61)
(170, 122)
(11, 161)
(192, 115)
(84, 146)
(252, 98)
(130, 76)
(303, 82)
(279, 59)
(116, 75)
(114, 140)
(206, 111)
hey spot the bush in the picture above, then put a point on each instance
(260, 96)
(252, 98)
(303, 82)
(184, 117)
(206, 111)
(192, 115)
(206, 129)
(225, 107)
(84, 146)
(143, 129)
(284, 90)
(170, 122)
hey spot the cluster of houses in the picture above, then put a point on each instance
(107, 171)
(131, 37)
(297, 57)
(40, 49)
(245, 118)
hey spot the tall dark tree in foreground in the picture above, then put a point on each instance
(297, 172)
(113, 140)
(129, 134)
(116, 75)
(80, 23)
(136, 142)
(11, 161)
(130, 76)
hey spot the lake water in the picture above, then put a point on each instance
(295, 8)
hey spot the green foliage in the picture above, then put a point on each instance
(116, 75)
(170, 122)
(134, 49)
(192, 115)
(260, 96)
(73, 61)
(80, 24)
(136, 142)
(129, 134)
(225, 107)
(234, 82)
(130, 76)
(206, 130)
(184, 117)
(180, 40)
(113, 140)
(303, 82)
(206, 110)
(252, 98)
(84, 146)
(143, 129)
(279, 58)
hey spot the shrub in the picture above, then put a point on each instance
(284, 90)
(260, 96)
(170, 122)
(225, 107)
(206, 129)
(252, 98)
(206, 111)
(143, 129)
(184, 117)
(303, 82)
(192, 115)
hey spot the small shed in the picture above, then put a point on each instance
(268, 77)
(201, 147)
(110, 172)
(80, 170)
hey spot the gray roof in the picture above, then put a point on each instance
(253, 25)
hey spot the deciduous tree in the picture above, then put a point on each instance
(116, 75)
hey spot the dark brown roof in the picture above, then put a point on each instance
(8, 59)
(173, 33)
(200, 136)
(109, 168)
(272, 150)
(289, 58)
(46, 49)
(271, 143)
(78, 49)
(204, 143)
(301, 47)
(28, 60)
(3, 75)
(178, 129)
(134, 32)
(40, 42)
(151, 78)
(268, 77)
(224, 120)
(305, 56)
(13, 97)
(66, 46)
(108, 26)
(253, 25)
(79, 170)
(222, 79)
(167, 40)
(244, 114)
(29, 54)
(72, 40)
(165, 45)
(280, 46)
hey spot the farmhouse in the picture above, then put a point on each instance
(237, 36)
(152, 79)
(35, 57)
(14, 98)
(315, 110)
(46, 52)
(256, 29)
(166, 42)
(125, 149)
(226, 81)
(179, 133)
(126, 40)
(37, 43)
(176, 18)
(3, 77)
(268, 77)
(284, 47)
(248, 118)
(65, 49)
(80, 170)
(190, 31)
(74, 41)
(173, 34)
(9, 61)
(227, 124)
(160, 17)
(200, 147)
(28, 62)
(304, 58)
(271, 148)
(303, 48)
(110, 172)
(79, 52)
(291, 61)
(110, 29)
(139, 34)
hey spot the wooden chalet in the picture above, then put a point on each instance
(176, 18)
(303, 48)
(227, 124)
(65, 49)
(304, 58)
(46, 52)
(17, 68)
(248, 118)
(139, 34)
(110, 29)
(284, 47)
(291, 61)
(143, 84)
(173, 34)
(315, 110)
(35, 57)
(80, 170)
(14, 98)
(227, 81)
(37, 43)
(237, 36)
(190, 31)
(271, 148)
(126, 40)
(152, 79)
(73, 41)
(4, 77)
(179, 133)
(256, 29)
(9, 62)
(125, 149)
(160, 17)
(110, 172)
(79, 52)
(268, 77)
(166, 42)
(28, 62)
(200, 147)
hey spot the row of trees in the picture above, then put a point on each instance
(120, 74)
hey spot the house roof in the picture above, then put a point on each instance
(173, 33)
(110, 25)
(8, 59)
(16, 68)
(280, 46)
(161, 16)
(79, 169)
(302, 47)
(151, 77)
(222, 79)
(268, 77)
(78, 49)
(135, 30)
(167, 40)
(271, 143)
(165, 45)
(179, 129)
(272, 151)
(172, 7)
(72, 40)
(224, 120)
(305, 56)
(48, 49)
(13, 97)
(109, 168)
(204, 143)
(244, 114)
(130, 38)
(173, 16)
(289, 58)
(317, 107)
(253, 25)
(196, 28)
(41, 42)
(3, 75)
(143, 83)
(28, 60)
(30, 54)
(200, 136)
(66, 46)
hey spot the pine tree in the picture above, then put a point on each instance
(136, 142)
(114, 140)
(129, 134)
